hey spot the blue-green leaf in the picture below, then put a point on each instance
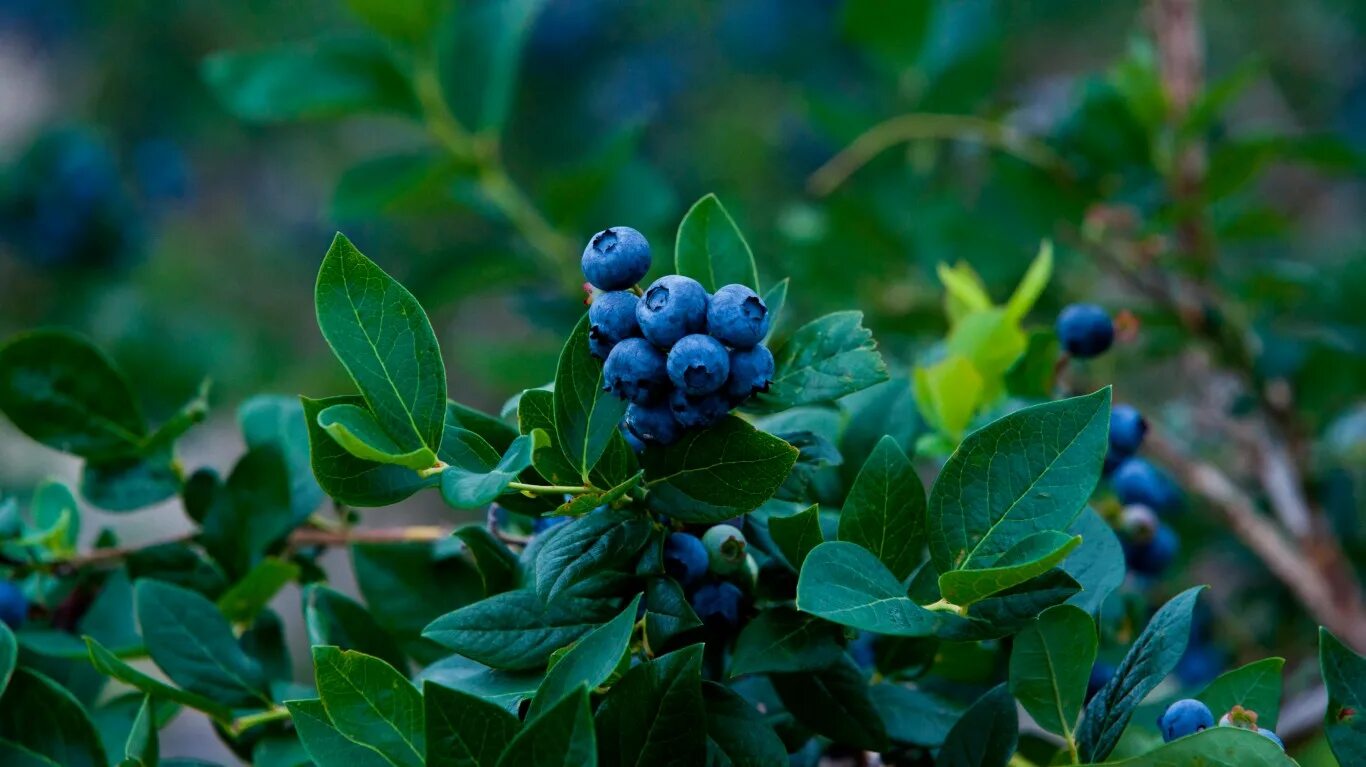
(466, 489)
(371, 703)
(1050, 664)
(834, 702)
(797, 534)
(589, 662)
(515, 630)
(985, 736)
(332, 618)
(825, 359)
(783, 640)
(44, 718)
(586, 417)
(1097, 564)
(1255, 686)
(325, 745)
(108, 664)
(711, 249)
(845, 583)
(1031, 557)
(884, 511)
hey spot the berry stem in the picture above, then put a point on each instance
(523, 487)
(244, 723)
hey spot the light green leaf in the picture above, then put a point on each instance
(1255, 686)
(357, 431)
(1050, 664)
(845, 583)
(1031, 557)
(589, 662)
(825, 359)
(1344, 721)
(464, 730)
(586, 417)
(253, 592)
(797, 534)
(1032, 284)
(108, 664)
(964, 291)
(884, 511)
(371, 703)
(465, 489)
(1028, 472)
(563, 735)
(784, 640)
(384, 340)
(948, 393)
(325, 745)
(711, 249)
(713, 474)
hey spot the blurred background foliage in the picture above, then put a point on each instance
(173, 202)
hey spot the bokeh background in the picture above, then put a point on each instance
(181, 227)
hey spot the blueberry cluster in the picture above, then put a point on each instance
(682, 357)
(1150, 544)
(707, 567)
(1189, 716)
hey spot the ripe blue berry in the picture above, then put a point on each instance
(1085, 330)
(1137, 481)
(541, 524)
(616, 258)
(637, 446)
(737, 317)
(13, 604)
(725, 548)
(652, 423)
(685, 558)
(1127, 427)
(861, 650)
(1101, 674)
(751, 370)
(718, 604)
(674, 306)
(1271, 736)
(698, 412)
(698, 365)
(612, 319)
(1153, 556)
(636, 371)
(1184, 717)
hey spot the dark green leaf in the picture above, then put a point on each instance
(914, 716)
(497, 566)
(1031, 557)
(324, 744)
(845, 583)
(1050, 664)
(357, 431)
(536, 410)
(1011, 610)
(406, 586)
(515, 630)
(586, 417)
(825, 359)
(834, 702)
(498, 434)
(667, 612)
(1153, 655)
(1097, 564)
(503, 688)
(406, 20)
(1033, 373)
(885, 509)
(129, 484)
(371, 703)
(563, 735)
(1028, 472)
(249, 596)
(885, 409)
(1255, 686)
(1344, 674)
(589, 662)
(344, 77)
(332, 618)
(465, 489)
(796, 535)
(15, 755)
(347, 478)
(107, 663)
(711, 249)
(481, 48)
(142, 749)
(598, 542)
(985, 736)
(737, 729)
(272, 419)
(9, 654)
(1215, 747)
(40, 716)
(896, 34)
(710, 475)
(252, 514)
(181, 421)
(463, 730)
(654, 714)
(784, 640)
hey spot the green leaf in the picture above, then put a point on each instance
(834, 702)
(406, 20)
(1032, 375)
(711, 249)
(948, 393)
(825, 359)
(406, 586)
(344, 76)
(1344, 722)
(737, 729)
(347, 478)
(481, 49)
(654, 713)
(845, 583)
(536, 410)
(9, 654)
(1050, 664)
(15, 755)
(896, 34)
(884, 511)
(371, 703)
(181, 421)
(250, 595)
(497, 566)
(108, 664)
(1215, 747)
(325, 745)
(1028, 472)
(667, 612)
(602, 541)
(1031, 557)
(775, 298)
(42, 717)
(713, 474)
(1097, 564)
(129, 484)
(332, 618)
(783, 640)
(585, 502)
(251, 515)
(54, 511)
(985, 736)
(586, 417)
(1032, 284)
(1153, 655)
(193, 644)
(589, 662)
(60, 390)
(277, 420)
(465, 489)
(914, 716)
(1255, 686)
(463, 730)
(357, 431)
(516, 630)
(1011, 610)
(142, 749)
(964, 291)
(384, 340)
(502, 688)
(797, 534)
(563, 735)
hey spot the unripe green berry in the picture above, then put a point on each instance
(725, 549)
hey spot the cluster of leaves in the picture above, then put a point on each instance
(575, 646)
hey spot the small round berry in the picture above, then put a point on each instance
(698, 412)
(1139, 523)
(1137, 481)
(861, 650)
(1184, 717)
(652, 423)
(737, 317)
(616, 258)
(1127, 427)
(674, 306)
(637, 446)
(698, 364)
(612, 318)
(1271, 736)
(725, 548)
(1085, 330)
(13, 604)
(1153, 556)
(636, 371)
(718, 604)
(751, 370)
(685, 558)
(1101, 674)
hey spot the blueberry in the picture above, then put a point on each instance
(698, 365)
(751, 370)
(1085, 330)
(718, 604)
(1137, 481)
(685, 558)
(616, 258)
(13, 604)
(637, 446)
(652, 423)
(612, 319)
(541, 524)
(1200, 665)
(1271, 736)
(1101, 674)
(636, 371)
(725, 548)
(861, 650)
(698, 412)
(737, 317)
(673, 307)
(1184, 717)
(1152, 557)
(1127, 427)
